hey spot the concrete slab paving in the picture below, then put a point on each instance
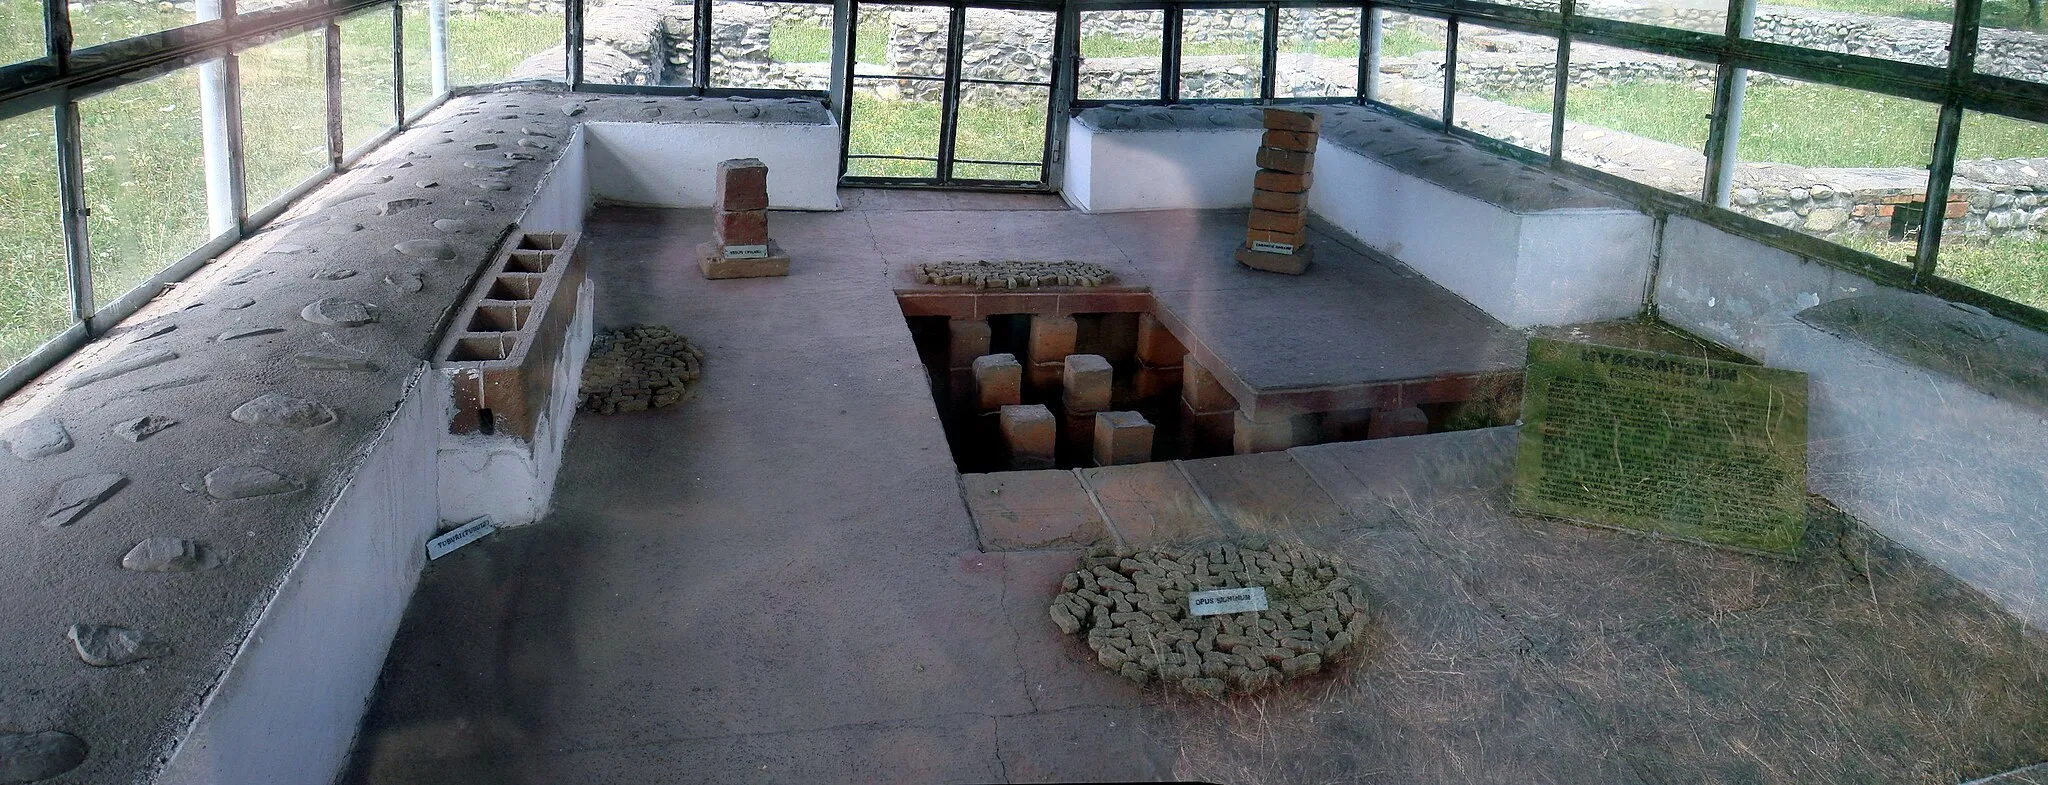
(1151, 504)
(1032, 510)
(1266, 493)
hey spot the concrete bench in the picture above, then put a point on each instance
(1532, 247)
(278, 414)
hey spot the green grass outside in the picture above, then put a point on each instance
(2011, 14)
(1806, 125)
(485, 46)
(990, 128)
(792, 42)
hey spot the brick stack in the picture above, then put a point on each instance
(740, 246)
(1278, 237)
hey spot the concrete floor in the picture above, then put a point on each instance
(780, 582)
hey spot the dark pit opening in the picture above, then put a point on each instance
(529, 262)
(486, 422)
(481, 349)
(499, 318)
(514, 286)
(542, 242)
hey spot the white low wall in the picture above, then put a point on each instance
(673, 164)
(1932, 463)
(287, 709)
(1525, 269)
(1121, 171)
(506, 477)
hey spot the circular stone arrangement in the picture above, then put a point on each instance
(1013, 275)
(638, 368)
(1133, 606)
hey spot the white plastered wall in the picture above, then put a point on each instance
(1120, 171)
(1932, 463)
(673, 164)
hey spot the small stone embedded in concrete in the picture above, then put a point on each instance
(110, 646)
(143, 427)
(292, 249)
(485, 146)
(651, 112)
(283, 411)
(239, 304)
(427, 248)
(243, 482)
(169, 554)
(397, 206)
(30, 757)
(39, 437)
(638, 368)
(246, 276)
(427, 184)
(532, 131)
(248, 332)
(1132, 607)
(573, 110)
(344, 227)
(152, 331)
(492, 184)
(492, 166)
(519, 156)
(451, 225)
(78, 496)
(125, 364)
(535, 144)
(330, 354)
(482, 204)
(407, 281)
(339, 311)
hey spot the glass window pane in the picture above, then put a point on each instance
(21, 38)
(639, 43)
(1010, 46)
(893, 117)
(145, 180)
(1910, 31)
(1710, 16)
(1995, 237)
(496, 45)
(1121, 54)
(1505, 84)
(35, 292)
(1828, 161)
(102, 21)
(781, 46)
(1411, 63)
(284, 135)
(1001, 123)
(1219, 52)
(1008, 173)
(2013, 41)
(1318, 53)
(1636, 116)
(901, 40)
(366, 77)
(419, 55)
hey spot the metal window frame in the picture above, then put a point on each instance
(65, 76)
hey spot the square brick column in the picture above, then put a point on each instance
(1276, 239)
(1085, 388)
(1029, 435)
(1122, 437)
(1159, 360)
(1207, 411)
(1050, 340)
(740, 246)
(998, 381)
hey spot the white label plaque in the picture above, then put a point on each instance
(1219, 601)
(746, 252)
(458, 537)
(1265, 247)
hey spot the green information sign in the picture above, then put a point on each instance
(1701, 450)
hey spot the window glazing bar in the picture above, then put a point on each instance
(1269, 53)
(335, 148)
(1450, 70)
(1569, 9)
(71, 198)
(1169, 53)
(1962, 59)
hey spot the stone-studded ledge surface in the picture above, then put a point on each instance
(232, 411)
(1452, 163)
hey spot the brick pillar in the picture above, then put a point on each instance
(1276, 238)
(1029, 436)
(1159, 360)
(1051, 339)
(998, 381)
(739, 245)
(1122, 437)
(1085, 381)
(1207, 411)
(1270, 433)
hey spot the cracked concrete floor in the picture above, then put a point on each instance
(780, 582)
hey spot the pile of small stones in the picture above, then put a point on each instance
(1133, 605)
(639, 368)
(1013, 275)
